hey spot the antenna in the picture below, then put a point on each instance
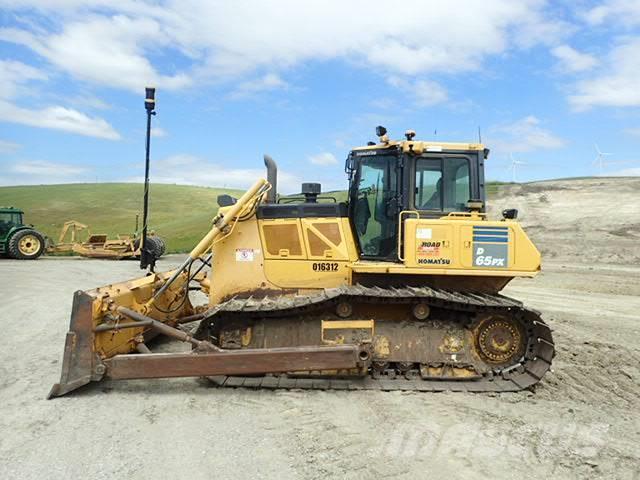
(479, 135)
(599, 158)
(514, 166)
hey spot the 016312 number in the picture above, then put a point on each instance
(325, 267)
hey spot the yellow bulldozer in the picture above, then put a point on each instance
(395, 289)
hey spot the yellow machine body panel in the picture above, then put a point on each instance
(299, 254)
(282, 254)
(238, 263)
(323, 249)
(498, 247)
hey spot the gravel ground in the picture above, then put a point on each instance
(581, 422)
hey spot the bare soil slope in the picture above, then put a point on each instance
(578, 220)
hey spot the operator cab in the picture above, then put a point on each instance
(429, 179)
(9, 218)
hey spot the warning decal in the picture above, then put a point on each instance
(244, 255)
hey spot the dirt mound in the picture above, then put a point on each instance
(591, 220)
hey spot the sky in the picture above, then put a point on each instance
(547, 83)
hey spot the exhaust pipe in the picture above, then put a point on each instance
(272, 178)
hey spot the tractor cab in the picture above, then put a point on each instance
(9, 218)
(390, 179)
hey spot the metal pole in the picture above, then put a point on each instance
(147, 260)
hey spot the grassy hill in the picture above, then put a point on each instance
(180, 214)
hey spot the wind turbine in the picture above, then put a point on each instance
(599, 158)
(513, 167)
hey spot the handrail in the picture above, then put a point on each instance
(400, 215)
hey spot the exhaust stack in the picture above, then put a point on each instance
(272, 178)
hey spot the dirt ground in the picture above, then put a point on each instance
(581, 422)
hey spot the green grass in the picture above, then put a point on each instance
(180, 214)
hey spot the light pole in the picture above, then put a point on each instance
(147, 259)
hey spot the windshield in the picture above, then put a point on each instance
(9, 220)
(374, 220)
(442, 184)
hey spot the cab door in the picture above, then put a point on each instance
(375, 206)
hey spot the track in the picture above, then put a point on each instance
(528, 370)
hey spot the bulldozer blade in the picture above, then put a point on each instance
(77, 360)
(98, 332)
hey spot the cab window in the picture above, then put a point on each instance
(8, 220)
(374, 220)
(442, 184)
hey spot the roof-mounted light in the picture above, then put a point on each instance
(381, 132)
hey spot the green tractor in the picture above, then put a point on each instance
(18, 240)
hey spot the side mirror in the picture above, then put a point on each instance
(510, 214)
(362, 216)
(226, 200)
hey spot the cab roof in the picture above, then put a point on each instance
(10, 210)
(419, 146)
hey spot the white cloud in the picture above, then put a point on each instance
(105, 51)
(58, 118)
(90, 101)
(431, 37)
(323, 159)
(524, 135)
(37, 172)
(573, 60)
(268, 82)
(539, 31)
(616, 85)
(185, 169)
(424, 93)
(8, 147)
(626, 12)
(626, 172)
(635, 131)
(14, 76)
(15, 79)
(158, 132)
(111, 43)
(46, 169)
